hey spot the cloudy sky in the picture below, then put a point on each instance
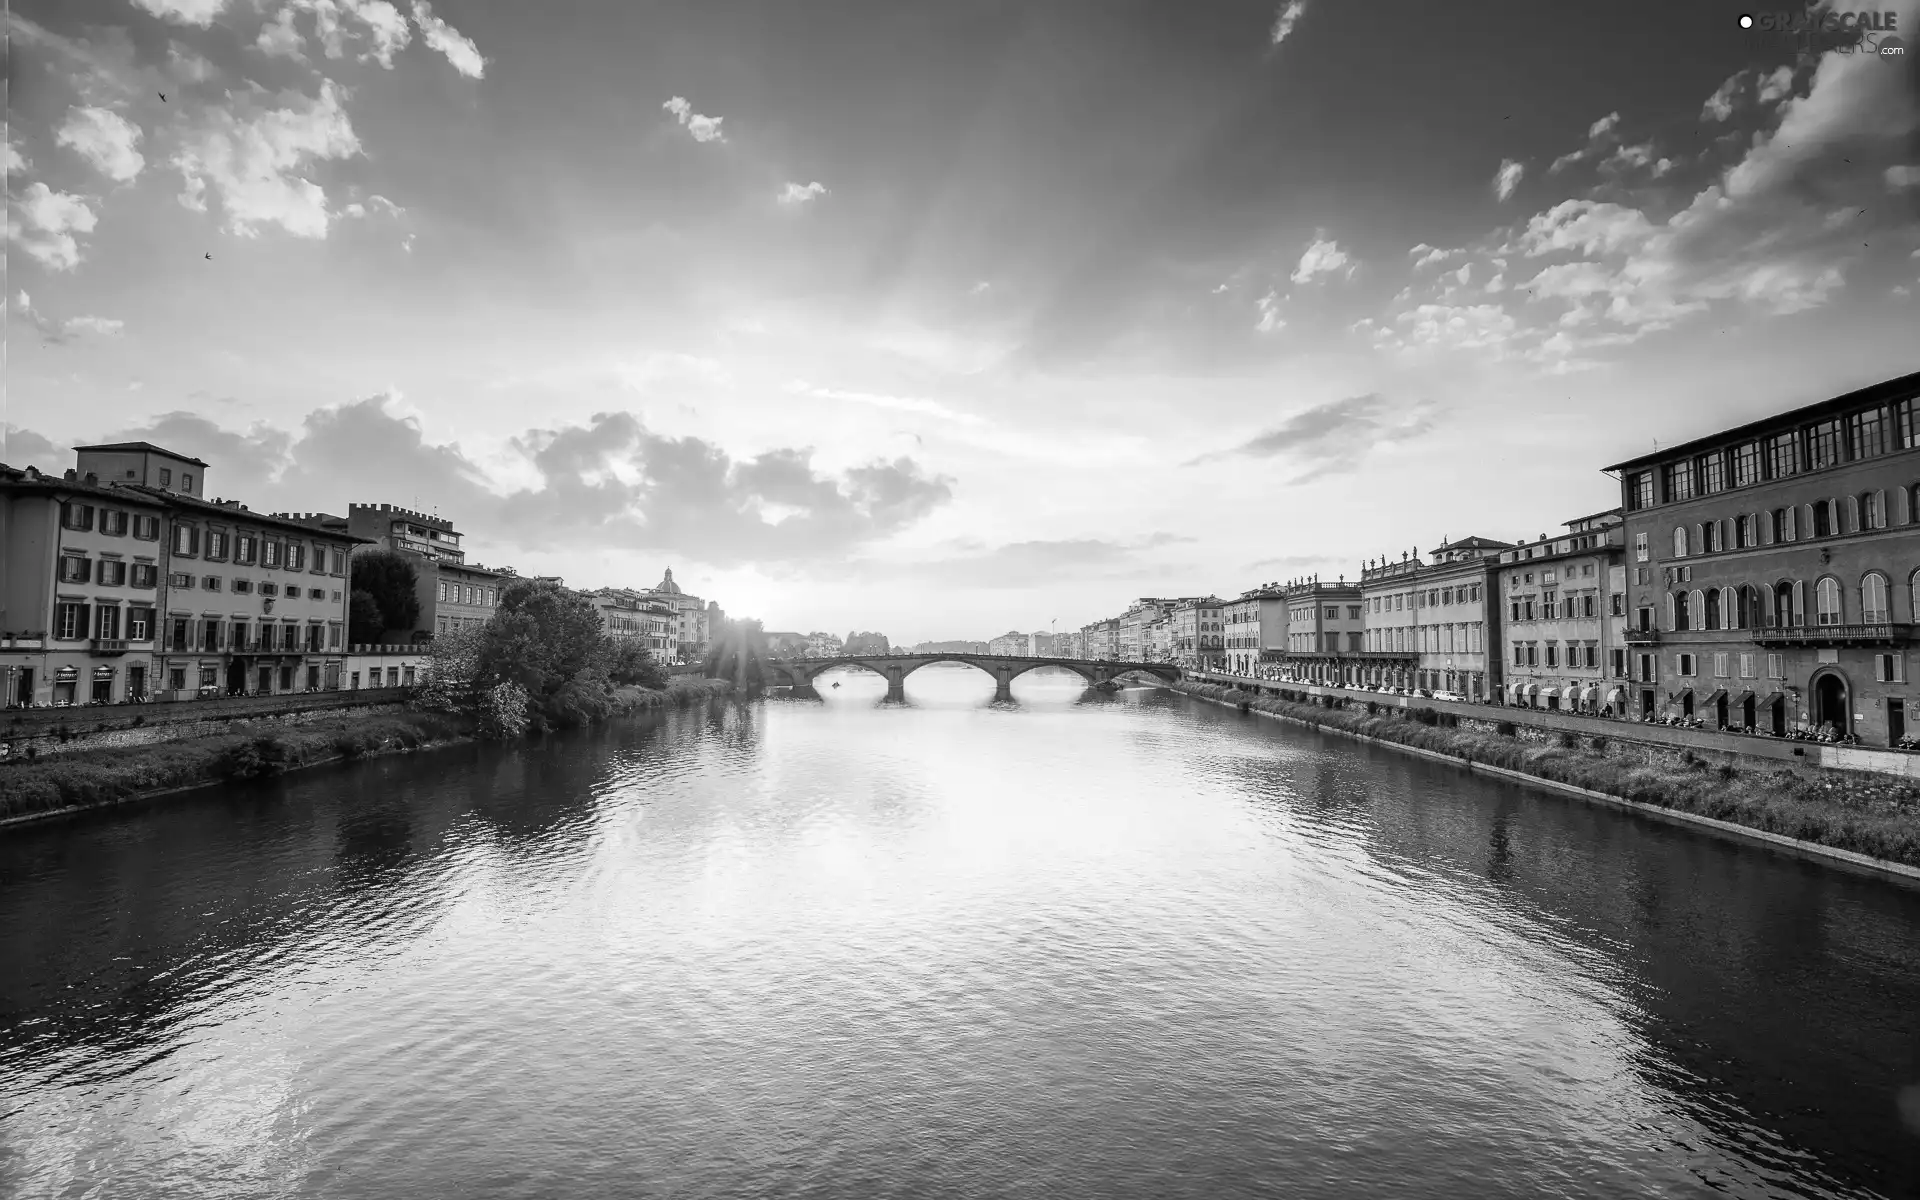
(941, 319)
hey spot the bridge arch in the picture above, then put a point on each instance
(1002, 669)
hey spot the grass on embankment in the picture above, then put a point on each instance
(90, 778)
(1845, 810)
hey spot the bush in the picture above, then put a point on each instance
(1505, 729)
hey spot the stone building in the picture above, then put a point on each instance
(1194, 632)
(1326, 633)
(1774, 568)
(691, 617)
(1564, 608)
(1100, 640)
(1253, 628)
(1433, 622)
(639, 617)
(453, 593)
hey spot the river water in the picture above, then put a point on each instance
(1072, 946)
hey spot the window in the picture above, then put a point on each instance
(166, 477)
(1588, 604)
(1640, 547)
(1593, 655)
(1353, 610)
(211, 583)
(1873, 510)
(1823, 522)
(1640, 490)
(186, 540)
(338, 563)
(1776, 666)
(245, 548)
(186, 483)
(1617, 604)
(315, 637)
(1720, 664)
(217, 543)
(1783, 455)
(1679, 481)
(1746, 666)
(441, 593)
(139, 623)
(1782, 521)
(1712, 609)
(1683, 664)
(1551, 652)
(1826, 600)
(1867, 434)
(1890, 668)
(1823, 445)
(1711, 471)
(1873, 599)
(296, 556)
(1742, 532)
(75, 568)
(1746, 464)
(1680, 609)
(270, 554)
(76, 516)
(177, 679)
(1903, 423)
(243, 586)
(1646, 668)
(145, 575)
(269, 589)
(146, 528)
(333, 637)
(1619, 663)
(316, 594)
(70, 621)
(1679, 541)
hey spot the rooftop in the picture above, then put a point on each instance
(1880, 393)
(141, 448)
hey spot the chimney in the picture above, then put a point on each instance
(92, 479)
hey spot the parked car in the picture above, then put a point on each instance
(1446, 695)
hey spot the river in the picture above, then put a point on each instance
(1073, 946)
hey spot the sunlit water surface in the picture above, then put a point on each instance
(1075, 946)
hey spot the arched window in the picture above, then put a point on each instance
(1742, 532)
(1679, 541)
(1782, 532)
(1874, 608)
(1913, 597)
(1713, 609)
(1682, 610)
(1782, 614)
(1823, 518)
(1826, 600)
(1731, 614)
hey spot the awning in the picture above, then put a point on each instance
(1683, 693)
(1744, 696)
(1770, 697)
(1549, 693)
(1532, 690)
(1617, 696)
(1714, 695)
(1578, 694)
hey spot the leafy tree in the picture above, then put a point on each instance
(739, 653)
(547, 640)
(630, 664)
(390, 579)
(365, 623)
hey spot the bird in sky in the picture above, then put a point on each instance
(209, 258)
(163, 97)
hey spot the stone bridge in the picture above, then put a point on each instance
(799, 673)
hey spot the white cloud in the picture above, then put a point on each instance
(1428, 255)
(107, 140)
(1507, 178)
(256, 165)
(1719, 106)
(1903, 176)
(1322, 257)
(460, 52)
(185, 64)
(279, 39)
(14, 160)
(1591, 226)
(795, 193)
(703, 129)
(1269, 308)
(100, 325)
(1284, 20)
(184, 12)
(1602, 127)
(62, 331)
(1776, 85)
(43, 222)
(1464, 327)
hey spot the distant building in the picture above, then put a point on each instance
(1196, 633)
(866, 643)
(1565, 618)
(1254, 628)
(784, 644)
(691, 614)
(1326, 633)
(1011, 642)
(1101, 639)
(627, 615)
(1435, 624)
(824, 645)
(453, 594)
(1131, 636)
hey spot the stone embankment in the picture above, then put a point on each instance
(1857, 819)
(106, 758)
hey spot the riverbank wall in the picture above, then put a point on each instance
(183, 755)
(1858, 821)
(34, 733)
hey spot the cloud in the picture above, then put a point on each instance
(1428, 255)
(43, 222)
(1507, 177)
(25, 448)
(796, 194)
(59, 332)
(1332, 437)
(1590, 226)
(912, 404)
(1322, 257)
(184, 12)
(1269, 309)
(377, 23)
(1599, 135)
(1903, 176)
(14, 161)
(108, 141)
(374, 204)
(256, 164)
(703, 129)
(608, 484)
(1285, 19)
(459, 51)
(279, 39)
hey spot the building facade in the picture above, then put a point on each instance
(453, 594)
(1326, 633)
(1254, 628)
(690, 617)
(81, 591)
(636, 617)
(1773, 569)
(1563, 606)
(1196, 636)
(1100, 640)
(1131, 627)
(1010, 642)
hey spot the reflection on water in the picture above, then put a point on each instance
(1078, 944)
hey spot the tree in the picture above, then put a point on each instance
(365, 624)
(547, 640)
(739, 653)
(390, 579)
(630, 664)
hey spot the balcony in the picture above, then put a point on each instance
(109, 645)
(1642, 637)
(1834, 635)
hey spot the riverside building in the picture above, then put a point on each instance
(1565, 618)
(1254, 628)
(1194, 632)
(1773, 570)
(1326, 633)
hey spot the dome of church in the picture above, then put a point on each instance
(668, 585)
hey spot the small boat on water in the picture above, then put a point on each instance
(836, 684)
